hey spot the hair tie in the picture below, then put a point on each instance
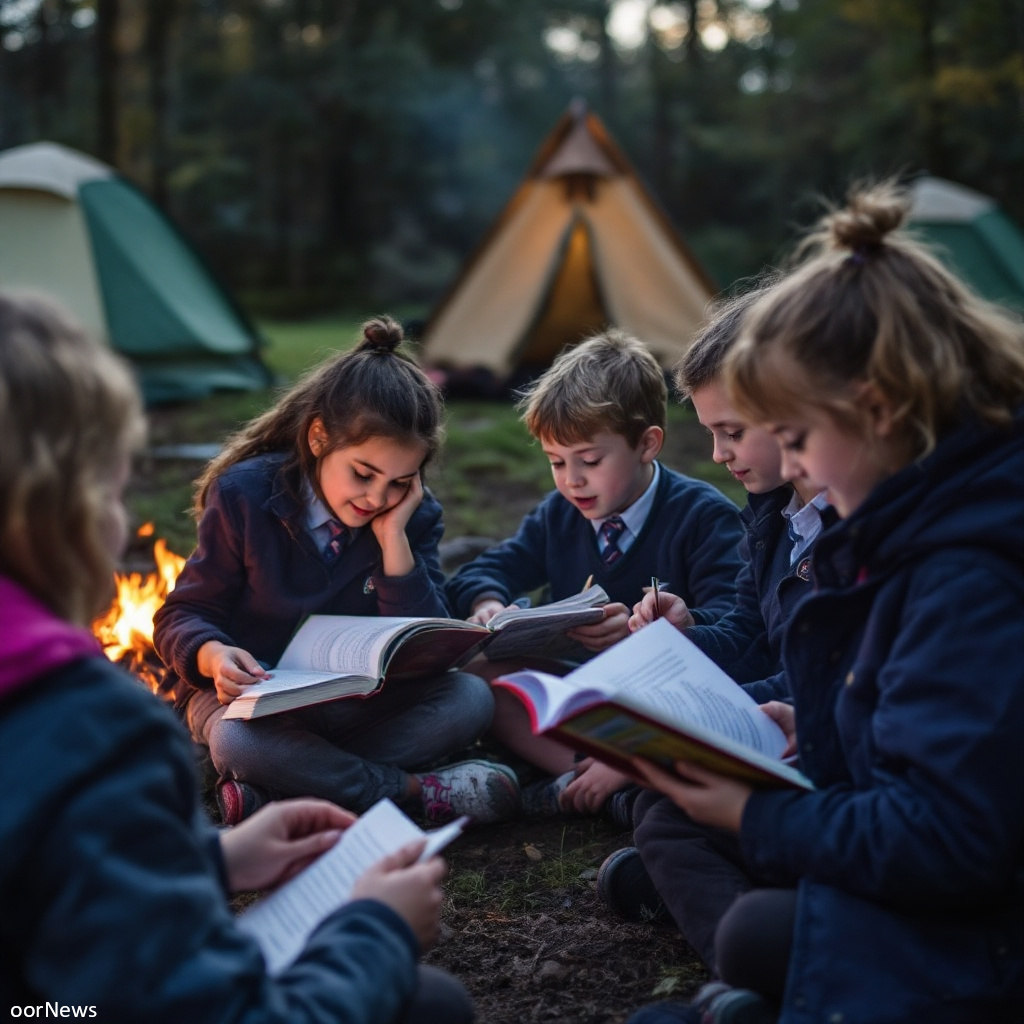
(859, 256)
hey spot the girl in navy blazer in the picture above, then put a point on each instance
(318, 506)
(895, 891)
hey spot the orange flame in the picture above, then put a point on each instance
(125, 631)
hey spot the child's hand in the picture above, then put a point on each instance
(231, 669)
(594, 783)
(279, 841)
(597, 636)
(706, 796)
(486, 610)
(669, 607)
(784, 715)
(412, 890)
(389, 529)
(393, 521)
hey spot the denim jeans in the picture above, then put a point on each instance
(352, 752)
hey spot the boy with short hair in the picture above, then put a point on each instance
(616, 516)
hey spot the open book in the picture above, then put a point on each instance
(333, 656)
(283, 922)
(657, 695)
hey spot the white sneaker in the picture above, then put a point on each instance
(485, 791)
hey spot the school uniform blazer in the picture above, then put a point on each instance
(747, 643)
(690, 541)
(256, 574)
(907, 677)
(113, 886)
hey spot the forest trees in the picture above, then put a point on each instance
(324, 151)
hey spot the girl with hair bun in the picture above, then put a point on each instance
(318, 506)
(894, 892)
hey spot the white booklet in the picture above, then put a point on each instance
(283, 922)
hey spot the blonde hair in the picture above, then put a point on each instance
(872, 305)
(374, 390)
(70, 411)
(609, 382)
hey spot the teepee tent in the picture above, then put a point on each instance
(969, 232)
(580, 246)
(71, 227)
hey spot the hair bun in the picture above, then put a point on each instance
(382, 333)
(870, 214)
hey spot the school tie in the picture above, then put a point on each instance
(339, 538)
(611, 530)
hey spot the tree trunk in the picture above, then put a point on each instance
(108, 14)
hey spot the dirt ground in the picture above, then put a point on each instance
(523, 927)
(539, 945)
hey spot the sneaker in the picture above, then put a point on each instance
(619, 807)
(485, 791)
(236, 800)
(719, 1003)
(626, 889)
(543, 799)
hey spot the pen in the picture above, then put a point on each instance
(586, 586)
(656, 586)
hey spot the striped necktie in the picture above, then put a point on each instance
(339, 538)
(611, 530)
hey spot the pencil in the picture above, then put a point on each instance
(656, 586)
(586, 586)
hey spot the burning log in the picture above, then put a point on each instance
(125, 631)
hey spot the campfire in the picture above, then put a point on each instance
(125, 631)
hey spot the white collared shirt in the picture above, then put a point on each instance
(635, 516)
(804, 522)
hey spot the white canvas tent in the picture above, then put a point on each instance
(580, 246)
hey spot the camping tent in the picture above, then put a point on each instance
(581, 245)
(972, 236)
(71, 227)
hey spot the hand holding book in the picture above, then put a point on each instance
(656, 695)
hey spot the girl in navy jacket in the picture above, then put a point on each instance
(895, 891)
(318, 506)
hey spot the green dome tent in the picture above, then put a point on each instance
(973, 237)
(73, 228)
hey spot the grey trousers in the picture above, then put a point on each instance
(353, 752)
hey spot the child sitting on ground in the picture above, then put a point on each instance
(318, 506)
(113, 887)
(893, 891)
(617, 517)
(669, 867)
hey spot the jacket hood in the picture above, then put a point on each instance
(968, 492)
(34, 641)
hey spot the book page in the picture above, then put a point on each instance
(283, 922)
(592, 597)
(343, 644)
(294, 688)
(658, 671)
(532, 634)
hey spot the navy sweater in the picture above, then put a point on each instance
(747, 643)
(690, 541)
